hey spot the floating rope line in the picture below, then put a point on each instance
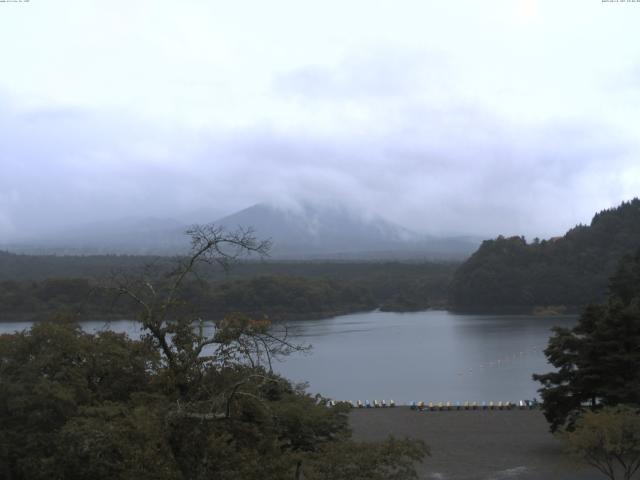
(508, 359)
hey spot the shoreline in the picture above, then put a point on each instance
(22, 317)
(534, 310)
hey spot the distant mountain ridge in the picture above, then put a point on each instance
(333, 232)
(571, 271)
(305, 232)
(315, 231)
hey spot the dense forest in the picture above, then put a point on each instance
(175, 404)
(33, 287)
(555, 275)
(566, 272)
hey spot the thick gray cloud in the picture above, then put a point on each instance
(67, 167)
(471, 120)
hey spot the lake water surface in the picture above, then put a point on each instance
(431, 356)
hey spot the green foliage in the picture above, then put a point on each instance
(571, 270)
(597, 361)
(284, 296)
(49, 375)
(75, 405)
(278, 290)
(177, 404)
(608, 440)
(113, 440)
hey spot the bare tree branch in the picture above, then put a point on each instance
(236, 342)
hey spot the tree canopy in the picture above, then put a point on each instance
(598, 361)
(571, 270)
(183, 402)
(35, 287)
(608, 440)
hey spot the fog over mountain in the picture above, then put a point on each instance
(130, 235)
(418, 112)
(302, 232)
(309, 231)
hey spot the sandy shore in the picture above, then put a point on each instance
(482, 445)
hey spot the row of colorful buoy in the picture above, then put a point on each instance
(431, 406)
(375, 404)
(367, 404)
(440, 406)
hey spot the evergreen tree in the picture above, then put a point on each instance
(571, 271)
(597, 361)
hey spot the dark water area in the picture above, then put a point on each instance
(430, 356)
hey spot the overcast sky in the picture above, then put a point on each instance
(466, 116)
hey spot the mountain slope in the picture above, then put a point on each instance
(312, 231)
(307, 232)
(571, 270)
(318, 230)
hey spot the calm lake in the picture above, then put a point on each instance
(431, 356)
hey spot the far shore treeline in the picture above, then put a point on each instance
(35, 287)
(557, 275)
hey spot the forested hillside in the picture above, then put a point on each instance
(33, 287)
(569, 271)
